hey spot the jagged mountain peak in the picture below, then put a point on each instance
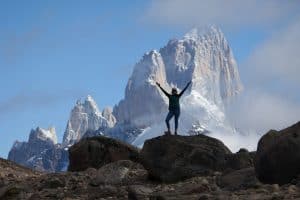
(147, 71)
(152, 52)
(89, 105)
(212, 31)
(43, 134)
(86, 116)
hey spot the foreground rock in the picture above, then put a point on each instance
(174, 158)
(239, 179)
(121, 172)
(98, 151)
(278, 156)
(21, 183)
(240, 160)
(222, 175)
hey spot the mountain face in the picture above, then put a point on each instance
(86, 116)
(203, 57)
(41, 152)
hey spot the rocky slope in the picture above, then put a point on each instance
(128, 179)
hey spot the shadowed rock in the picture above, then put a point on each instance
(98, 151)
(121, 172)
(239, 179)
(240, 160)
(174, 158)
(277, 158)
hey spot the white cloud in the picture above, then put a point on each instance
(40, 99)
(258, 112)
(227, 13)
(273, 68)
(278, 57)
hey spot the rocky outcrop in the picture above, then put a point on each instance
(174, 158)
(41, 152)
(277, 158)
(98, 151)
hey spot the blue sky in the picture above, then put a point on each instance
(55, 52)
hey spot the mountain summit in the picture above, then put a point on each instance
(205, 58)
(86, 116)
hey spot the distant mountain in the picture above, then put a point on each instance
(86, 116)
(41, 152)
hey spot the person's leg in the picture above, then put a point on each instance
(168, 118)
(177, 114)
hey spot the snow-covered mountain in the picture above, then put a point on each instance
(205, 58)
(41, 152)
(86, 116)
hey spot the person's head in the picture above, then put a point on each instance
(174, 91)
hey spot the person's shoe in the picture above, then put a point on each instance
(176, 133)
(168, 133)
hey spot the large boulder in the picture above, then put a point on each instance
(174, 158)
(277, 158)
(97, 151)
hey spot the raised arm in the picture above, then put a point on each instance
(162, 89)
(184, 89)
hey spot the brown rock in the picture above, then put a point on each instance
(121, 172)
(175, 158)
(239, 179)
(242, 159)
(139, 192)
(97, 151)
(277, 158)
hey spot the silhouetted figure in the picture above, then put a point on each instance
(174, 106)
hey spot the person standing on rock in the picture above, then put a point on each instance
(174, 106)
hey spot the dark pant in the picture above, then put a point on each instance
(172, 113)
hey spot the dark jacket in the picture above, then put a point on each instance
(174, 98)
